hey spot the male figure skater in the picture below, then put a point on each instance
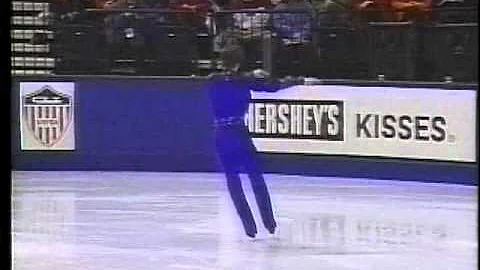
(230, 96)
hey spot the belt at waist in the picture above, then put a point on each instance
(229, 121)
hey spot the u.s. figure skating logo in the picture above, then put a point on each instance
(47, 115)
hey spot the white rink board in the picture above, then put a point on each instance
(417, 106)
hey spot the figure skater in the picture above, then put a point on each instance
(230, 97)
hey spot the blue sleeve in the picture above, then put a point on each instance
(269, 85)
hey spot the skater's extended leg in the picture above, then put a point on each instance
(261, 194)
(239, 200)
(263, 200)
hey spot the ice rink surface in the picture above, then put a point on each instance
(171, 221)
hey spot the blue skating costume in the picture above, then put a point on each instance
(230, 97)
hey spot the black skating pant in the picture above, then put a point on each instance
(236, 152)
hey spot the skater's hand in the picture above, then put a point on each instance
(260, 73)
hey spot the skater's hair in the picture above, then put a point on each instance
(232, 55)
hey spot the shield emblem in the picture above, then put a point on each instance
(48, 114)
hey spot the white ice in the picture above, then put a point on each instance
(171, 221)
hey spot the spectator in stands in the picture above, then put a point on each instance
(252, 30)
(403, 10)
(58, 7)
(124, 22)
(293, 22)
(70, 8)
(399, 10)
(222, 4)
(110, 4)
(95, 3)
(341, 11)
(274, 3)
(64, 12)
(156, 17)
(192, 17)
(455, 11)
(196, 12)
(344, 12)
(113, 21)
(293, 26)
(249, 4)
(124, 32)
(250, 24)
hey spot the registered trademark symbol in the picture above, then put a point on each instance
(451, 138)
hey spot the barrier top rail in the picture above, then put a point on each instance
(137, 10)
(258, 10)
(179, 11)
(308, 81)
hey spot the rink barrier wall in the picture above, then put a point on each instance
(165, 124)
(398, 122)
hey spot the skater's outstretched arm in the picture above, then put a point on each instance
(262, 81)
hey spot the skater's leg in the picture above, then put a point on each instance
(260, 189)
(227, 152)
(239, 200)
(263, 200)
